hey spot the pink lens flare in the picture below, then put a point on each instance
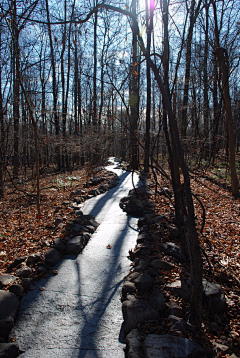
(152, 4)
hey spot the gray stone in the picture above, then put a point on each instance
(214, 297)
(66, 203)
(144, 283)
(157, 300)
(128, 287)
(103, 188)
(80, 192)
(77, 228)
(174, 309)
(153, 273)
(57, 209)
(179, 288)
(172, 249)
(173, 319)
(220, 349)
(93, 223)
(141, 221)
(158, 264)
(180, 325)
(167, 346)
(144, 229)
(86, 237)
(134, 344)
(93, 192)
(137, 311)
(34, 259)
(52, 257)
(24, 272)
(15, 263)
(9, 350)
(17, 289)
(89, 228)
(95, 181)
(89, 217)
(161, 218)
(215, 327)
(157, 236)
(142, 250)
(9, 304)
(78, 213)
(75, 205)
(58, 221)
(113, 183)
(175, 233)
(75, 245)
(28, 283)
(141, 265)
(132, 276)
(41, 270)
(143, 238)
(59, 245)
(6, 279)
(132, 206)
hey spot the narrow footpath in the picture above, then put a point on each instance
(77, 313)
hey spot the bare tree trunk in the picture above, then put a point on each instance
(193, 16)
(36, 147)
(54, 89)
(149, 25)
(216, 113)
(134, 94)
(65, 89)
(205, 87)
(2, 154)
(222, 56)
(196, 266)
(95, 71)
(106, 29)
(16, 86)
(76, 124)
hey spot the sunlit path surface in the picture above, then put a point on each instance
(79, 313)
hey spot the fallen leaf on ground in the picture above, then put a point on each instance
(54, 272)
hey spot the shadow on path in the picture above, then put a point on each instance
(109, 287)
(110, 196)
(94, 298)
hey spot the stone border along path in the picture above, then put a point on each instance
(78, 313)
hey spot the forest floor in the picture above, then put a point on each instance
(23, 232)
(220, 239)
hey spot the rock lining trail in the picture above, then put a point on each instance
(78, 313)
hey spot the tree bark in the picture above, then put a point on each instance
(54, 89)
(149, 25)
(95, 71)
(222, 56)
(134, 93)
(205, 87)
(2, 154)
(193, 16)
(16, 86)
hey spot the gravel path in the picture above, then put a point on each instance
(79, 312)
